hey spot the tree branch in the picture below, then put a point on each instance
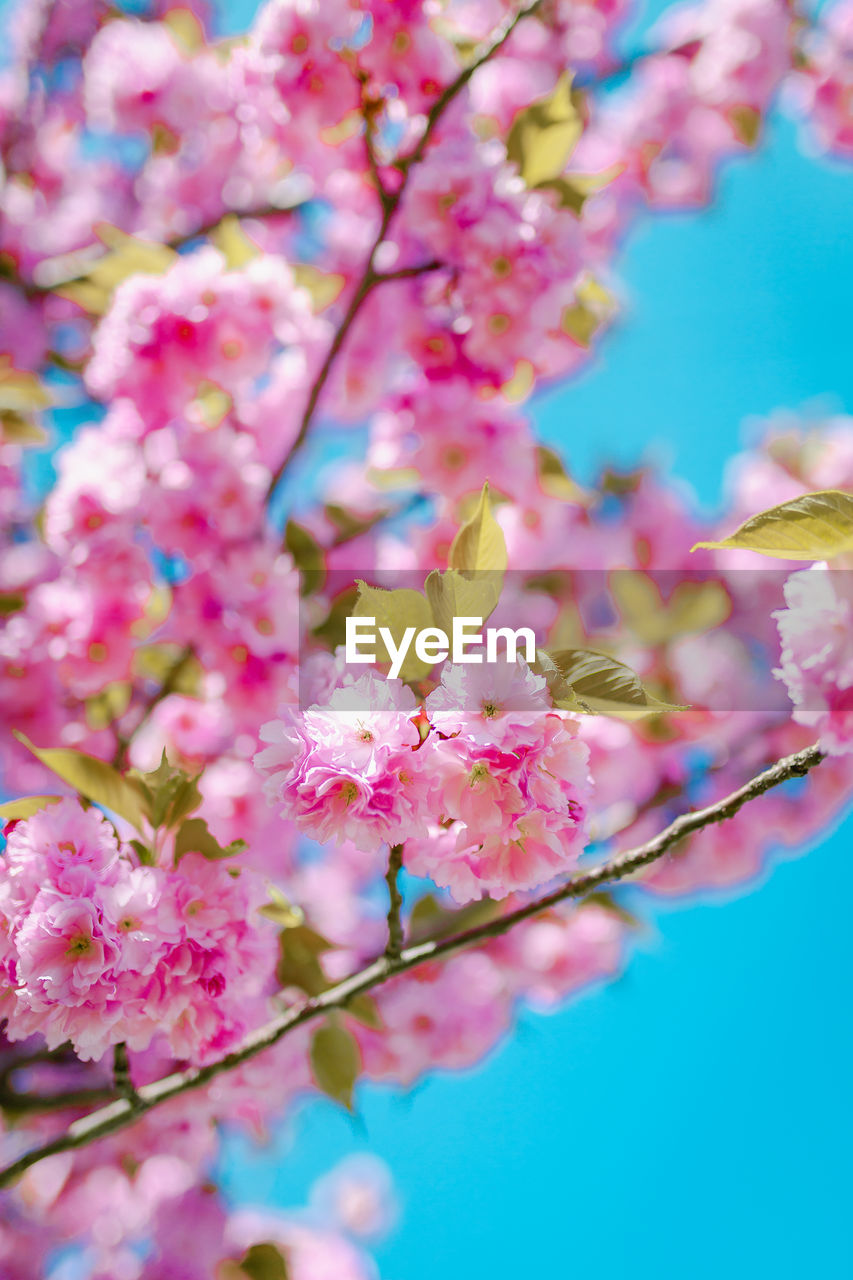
(395, 903)
(17, 1104)
(122, 1078)
(122, 1113)
(390, 203)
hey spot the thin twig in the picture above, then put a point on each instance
(443, 101)
(395, 903)
(14, 1103)
(407, 273)
(121, 1074)
(370, 108)
(390, 203)
(120, 1114)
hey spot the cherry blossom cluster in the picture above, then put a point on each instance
(493, 798)
(211, 251)
(99, 951)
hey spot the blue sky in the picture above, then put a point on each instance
(693, 1119)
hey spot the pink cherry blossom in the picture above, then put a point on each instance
(816, 630)
(349, 770)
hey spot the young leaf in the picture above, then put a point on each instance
(543, 135)
(397, 611)
(107, 706)
(94, 779)
(25, 807)
(430, 919)
(307, 555)
(126, 256)
(194, 837)
(746, 122)
(21, 396)
(554, 480)
(146, 856)
(692, 607)
(233, 243)
(605, 899)
(817, 526)
(574, 189)
(11, 602)
(282, 911)
(455, 595)
(170, 793)
(335, 1062)
(562, 693)
(299, 965)
(261, 1262)
(593, 305)
(323, 287)
(365, 1010)
(170, 665)
(480, 543)
(603, 686)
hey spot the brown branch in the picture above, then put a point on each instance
(122, 1113)
(481, 57)
(395, 903)
(122, 1078)
(15, 1104)
(408, 273)
(390, 203)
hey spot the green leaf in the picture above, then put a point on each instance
(126, 256)
(11, 602)
(455, 595)
(308, 556)
(554, 480)
(233, 243)
(299, 965)
(543, 135)
(562, 693)
(574, 189)
(335, 1062)
(746, 122)
(817, 526)
(606, 900)
(170, 793)
(107, 706)
(693, 607)
(146, 855)
(604, 686)
(347, 525)
(25, 807)
(21, 396)
(479, 544)
(94, 779)
(430, 919)
(592, 307)
(280, 910)
(21, 391)
(397, 611)
(169, 664)
(332, 630)
(366, 1011)
(471, 587)
(194, 837)
(322, 287)
(261, 1262)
